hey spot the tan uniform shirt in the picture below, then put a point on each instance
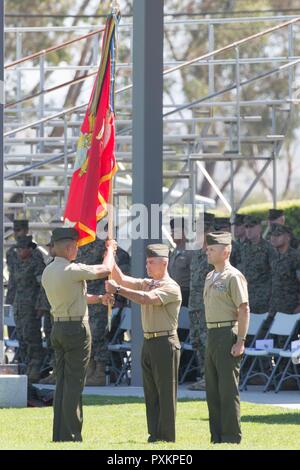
(179, 267)
(65, 286)
(223, 294)
(162, 317)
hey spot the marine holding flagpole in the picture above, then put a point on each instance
(64, 281)
(65, 286)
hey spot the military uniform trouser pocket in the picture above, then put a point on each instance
(74, 328)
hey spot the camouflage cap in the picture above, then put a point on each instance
(278, 229)
(221, 222)
(208, 218)
(275, 213)
(64, 233)
(157, 250)
(218, 238)
(25, 242)
(239, 219)
(205, 222)
(252, 220)
(21, 224)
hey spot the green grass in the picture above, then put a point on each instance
(120, 423)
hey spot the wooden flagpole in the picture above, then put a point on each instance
(115, 8)
(110, 214)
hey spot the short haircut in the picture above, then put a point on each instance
(62, 244)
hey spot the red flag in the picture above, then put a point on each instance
(95, 163)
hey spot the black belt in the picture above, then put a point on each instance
(159, 333)
(60, 319)
(220, 324)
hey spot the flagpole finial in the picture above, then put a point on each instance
(115, 6)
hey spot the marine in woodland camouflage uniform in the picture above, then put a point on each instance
(21, 228)
(222, 224)
(180, 258)
(285, 272)
(240, 239)
(92, 254)
(27, 273)
(43, 308)
(277, 217)
(198, 331)
(256, 259)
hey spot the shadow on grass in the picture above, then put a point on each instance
(96, 400)
(283, 418)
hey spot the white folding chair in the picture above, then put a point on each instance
(284, 325)
(292, 367)
(184, 319)
(123, 348)
(8, 320)
(255, 325)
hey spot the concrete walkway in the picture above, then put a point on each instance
(254, 394)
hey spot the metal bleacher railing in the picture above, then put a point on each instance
(38, 162)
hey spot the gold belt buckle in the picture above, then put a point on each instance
(155, 335)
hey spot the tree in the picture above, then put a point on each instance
(194, 80)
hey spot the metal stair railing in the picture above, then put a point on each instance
(193, 156)
(230, 46)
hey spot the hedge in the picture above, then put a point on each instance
(291, 209)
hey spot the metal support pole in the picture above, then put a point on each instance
(238, 96)
(131, 46)
(291, 70)
(274, 180)
(1, 174)
(232, 195)
(253, 184)
(211, 67)
(274, 159)
(19, 77)
(192, 186)
(59, 210)
(65, 159)
(42, 100)
(231, 149)
(147, 140)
